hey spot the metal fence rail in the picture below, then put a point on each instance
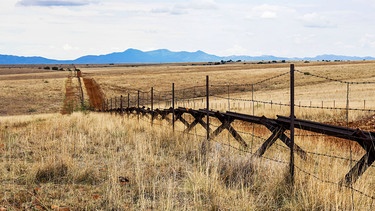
(281, 128)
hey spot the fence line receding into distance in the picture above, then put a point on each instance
(282, 127)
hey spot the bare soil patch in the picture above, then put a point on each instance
(71, 100)
(95, 93)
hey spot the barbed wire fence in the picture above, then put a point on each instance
(246, 152)
(245, 98)
(250, 98)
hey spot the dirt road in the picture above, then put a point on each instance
(74, 96)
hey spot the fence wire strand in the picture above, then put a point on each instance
(334, 80)
(195, 93)
(270, 159)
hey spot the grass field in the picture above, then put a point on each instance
(97, 161)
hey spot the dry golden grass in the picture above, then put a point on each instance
(28, 90)
(95, 161)
(309, 90)
(31, 90)
(51, 161)
(115, 80)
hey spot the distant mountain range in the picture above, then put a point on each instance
(164, 56)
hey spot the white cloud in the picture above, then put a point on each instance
(68, 47)
(266, 11)
(201, 5)
(235, 50)
(48, 3)
(368, 41)
(315, 20)
(303, 39)
(268, 14)
(161, 10)
(286, 28)
(342, 45)
(186, 7)
(370, 3)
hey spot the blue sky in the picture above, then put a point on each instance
(68, 29)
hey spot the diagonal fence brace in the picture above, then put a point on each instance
(226, 124)
(163, 114)
(359, 168)
(270, 141)
(178, 116)
(278, 133)
(197, 119)
(364, 163)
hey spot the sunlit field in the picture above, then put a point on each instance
(89, 160)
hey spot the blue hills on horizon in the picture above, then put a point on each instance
(165, 56)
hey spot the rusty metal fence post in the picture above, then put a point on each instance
(115, 107)
(128, 109)
(173, 106)
(111, 105)
(208, 107)
(152, 106)
(291, 164)
(128, 100)
(138, 106)
(253, 112)
(121, 106)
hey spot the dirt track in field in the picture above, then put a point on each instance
(74, 97)
(71, 100)
(95, 93)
